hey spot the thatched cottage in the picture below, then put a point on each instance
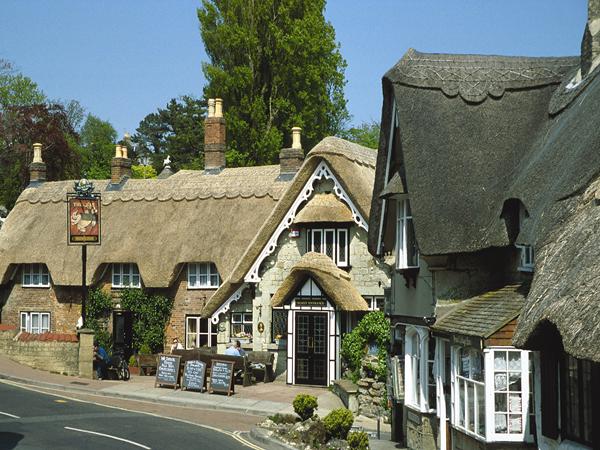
(485, 195)
(259, 254)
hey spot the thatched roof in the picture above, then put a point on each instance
(354, 167)
(335, 283)
(157, 224)
(483, 315)
(324, 208)
(467, 123)
(565, 292)
(394, 187)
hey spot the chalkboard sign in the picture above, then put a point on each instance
(167, 370)
(194, 375)
(221, 377)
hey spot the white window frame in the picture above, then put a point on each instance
(244, 319)
(39, 271)
(524, 435)
(26, 322)
(213, 280)
(402, 228)
(489, 393)
(526, 258)
(416, 367)
(211, 337)
(322, 239)
(478, 387)
(120, 270)
(372, 302)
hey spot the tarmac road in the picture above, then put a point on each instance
(35, 420)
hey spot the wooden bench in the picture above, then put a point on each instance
(262, 362)
(147, 363)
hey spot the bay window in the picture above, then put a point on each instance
(203, 275)
(332, 242)
(407, 252)
(35, 275)
(35, 322)
(469, 391)
(200, 332)
(125, 275)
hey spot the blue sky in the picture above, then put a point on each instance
(124, 59)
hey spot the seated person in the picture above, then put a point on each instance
(100, 360)
(232, 350)
(176, 345)
(238, 347)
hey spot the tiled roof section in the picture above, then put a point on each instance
(7, 327)
(54, 337)
(485, 314)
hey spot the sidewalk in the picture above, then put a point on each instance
(260, 399)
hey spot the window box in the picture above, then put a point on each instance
(125, 275)
(35, 275)
(241, 326)
(203, 276)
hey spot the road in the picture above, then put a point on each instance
(30, 419)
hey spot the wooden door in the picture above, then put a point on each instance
(311, 348)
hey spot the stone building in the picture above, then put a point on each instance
(257, 254)
(484, 198)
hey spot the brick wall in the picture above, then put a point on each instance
(63, 304)
(58, 354)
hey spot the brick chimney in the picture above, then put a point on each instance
(37, 168)
(120, 166)
(291, 159)
(590, 45)
(214, 137)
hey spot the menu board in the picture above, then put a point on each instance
(221, 377)
(167, 370)
(194, 375)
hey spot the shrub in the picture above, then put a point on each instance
(132, 361)
(283, 418)
(145, 349)
(305, 405)
(372, 328)
(97, 312)
(358, 440)
(338, 422)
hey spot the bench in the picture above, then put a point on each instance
(241, 367)
(147, 363)
(262, 362)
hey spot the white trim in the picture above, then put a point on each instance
(322, 171)
(128, 270)
(26, 324)
(38, 269)
(411, 387)
(225, 306)
(387, 174)
(209, 266)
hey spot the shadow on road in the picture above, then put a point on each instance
(9, 441)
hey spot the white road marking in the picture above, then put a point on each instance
(108, 436)
(9, 415)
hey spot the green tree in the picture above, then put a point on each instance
(139, 171)
(176, 130)
(17, 89)
(276, 65)
(365, 134)
(97, 142)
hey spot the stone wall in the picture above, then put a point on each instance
(57, 353)
(63, 304)
(422, 430)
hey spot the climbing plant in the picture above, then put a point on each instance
(373, 328)
(150, 315)
(97, 311)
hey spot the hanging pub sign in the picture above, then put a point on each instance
(83, 215)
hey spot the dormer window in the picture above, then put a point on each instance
(407, 252)
(35, 275)
(203, 275)
(526, 258)
(125, 275)
(332, 242)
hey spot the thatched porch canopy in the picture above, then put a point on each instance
(335, 283)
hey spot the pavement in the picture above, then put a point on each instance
(258, 399)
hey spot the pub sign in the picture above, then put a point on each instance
(83, 217)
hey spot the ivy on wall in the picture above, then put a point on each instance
(372, 329)
(98, 308)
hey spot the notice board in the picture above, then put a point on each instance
(194, 375)
(221, 377)
(167, 371)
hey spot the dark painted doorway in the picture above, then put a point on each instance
(311, 348)
(122, 332)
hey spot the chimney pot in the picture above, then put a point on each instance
(124, 151)
(118, 153)
(296, 137)
(211, 107)
(37, 153)
(218, 107)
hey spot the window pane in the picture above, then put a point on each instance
(35, 278)
(214, 280)
(126, 280)
(412, 252)
(515, 423)
(45, 322)
(192, 280)
(35, 323)
(45, 280)
(471, 406)
(480, 392)
(26, 279)
(501, 423)
(23, 321)
(203, 280)
(203, 325)
(204, 340)
(248, 317)
(329, 243)
(341, 247)
(316, 244)
(236, 317)
(135, 281)
(134, 269)
(514, 361)
(500, 403)
(203, 269)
